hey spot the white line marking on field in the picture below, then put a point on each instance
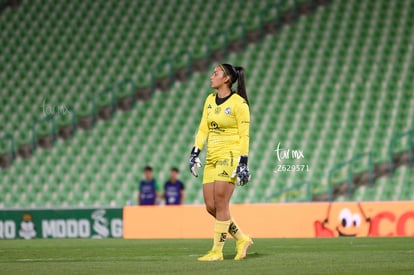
(43, 259)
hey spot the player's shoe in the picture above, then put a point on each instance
(241, 247)
(211, 256)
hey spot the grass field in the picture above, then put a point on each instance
(266, 256)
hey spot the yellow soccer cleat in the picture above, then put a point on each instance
(241, 248)
(212, 256)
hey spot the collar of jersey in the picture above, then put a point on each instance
(220, 101)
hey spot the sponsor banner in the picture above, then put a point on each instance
(61, 223)
(291, 220)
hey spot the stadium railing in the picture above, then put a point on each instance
(392, 160)
(353, 169)
(7, 154)
(46, 132)
(178, 66)
(292, 193)
(107, 105)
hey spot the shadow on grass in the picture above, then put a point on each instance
(251, 255)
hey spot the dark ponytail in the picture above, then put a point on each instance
(236, 73)
(241, 86)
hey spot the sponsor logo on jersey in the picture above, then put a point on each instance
(223, 174)
(224, 162)
(209, 106)
(227, 111)
(215, 127)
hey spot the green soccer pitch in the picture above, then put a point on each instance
(266, 256)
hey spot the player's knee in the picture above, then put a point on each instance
(210, 207)
(211, 210)
(219, 198)
(220, 203)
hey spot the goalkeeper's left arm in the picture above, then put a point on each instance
(243, 124)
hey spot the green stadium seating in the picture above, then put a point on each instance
(60, 52)
(334, 84)
(398, 187)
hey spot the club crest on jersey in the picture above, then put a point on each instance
(227, 111)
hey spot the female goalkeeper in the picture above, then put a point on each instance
(225, 123)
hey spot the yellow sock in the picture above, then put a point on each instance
(235, 231)
(220, 234)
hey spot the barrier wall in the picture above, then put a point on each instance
(293, 220)
(61, 223)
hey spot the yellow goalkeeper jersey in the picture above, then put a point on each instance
(225, 126)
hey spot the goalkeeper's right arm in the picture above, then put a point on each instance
(200, 139)
(194, 161)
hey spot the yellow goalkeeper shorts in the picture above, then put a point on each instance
(220, 166)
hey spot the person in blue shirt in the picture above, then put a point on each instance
(174, 189)
(148, 189)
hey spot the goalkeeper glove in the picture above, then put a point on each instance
(242, 172)
(194, 161)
